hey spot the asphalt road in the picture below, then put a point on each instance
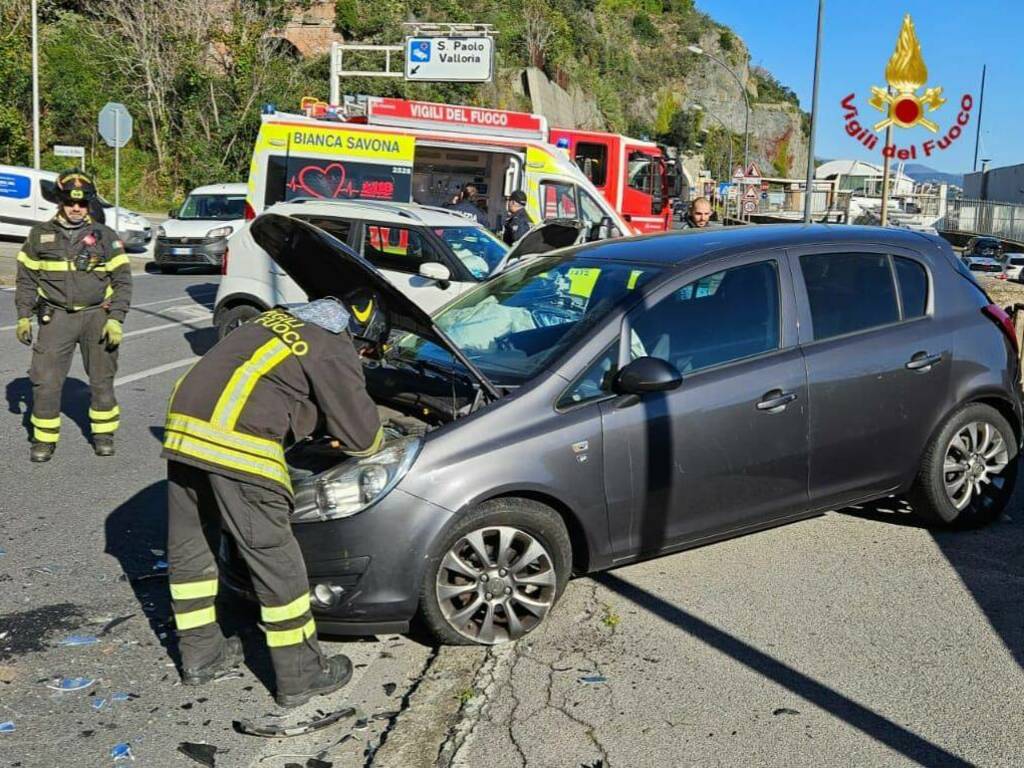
(858, 638)
(82, 537)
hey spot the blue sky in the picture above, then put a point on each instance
(956, 38)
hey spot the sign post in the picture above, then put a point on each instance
(61, 150)
(115, 126)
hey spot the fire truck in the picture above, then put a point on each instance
(637, 177)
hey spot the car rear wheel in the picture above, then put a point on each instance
(969, 470)
(496, 575)
(234, 317)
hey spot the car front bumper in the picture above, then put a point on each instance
(375, 561)
(190, 252)
(135, 238)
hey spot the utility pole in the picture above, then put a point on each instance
(981, 106)
(809, 189)
(35, 86)
(884, 216)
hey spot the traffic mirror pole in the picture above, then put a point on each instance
(117, 172)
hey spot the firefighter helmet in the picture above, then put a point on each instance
(73, 187)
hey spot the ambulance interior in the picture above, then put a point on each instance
(440, 173)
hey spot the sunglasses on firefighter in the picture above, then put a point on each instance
(76, 203)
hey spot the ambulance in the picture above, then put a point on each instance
(387, 149)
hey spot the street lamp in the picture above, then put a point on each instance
(746, 100)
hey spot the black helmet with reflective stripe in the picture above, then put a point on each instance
(74, 186)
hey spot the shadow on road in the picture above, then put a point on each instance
(201, 340)
(74, 403)
(989, 562)
(864, 719)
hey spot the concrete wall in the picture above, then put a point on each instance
(1001, 185)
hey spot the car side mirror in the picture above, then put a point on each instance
(646, 374)
(439, 273)
(172, 214)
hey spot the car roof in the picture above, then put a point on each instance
(376, 210)
(229, 188)
(688, 247)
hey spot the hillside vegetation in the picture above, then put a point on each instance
(194, 74)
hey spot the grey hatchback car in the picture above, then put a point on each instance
(631, 398)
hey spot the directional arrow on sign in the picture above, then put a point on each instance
(414, 70)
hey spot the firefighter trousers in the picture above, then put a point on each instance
(200, 505)
(51, 360)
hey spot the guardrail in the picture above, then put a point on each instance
(984, 217)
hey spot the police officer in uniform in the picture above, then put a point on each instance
(74, 275)
(230, 417)
(518, 222)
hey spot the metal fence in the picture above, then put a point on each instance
(983, 217)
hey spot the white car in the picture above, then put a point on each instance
(432, 255)
(196, 234)
(1014, 265)
(27, 199)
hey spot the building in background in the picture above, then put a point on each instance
(1000, 185)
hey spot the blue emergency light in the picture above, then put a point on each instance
(562, 143)
(268, 109)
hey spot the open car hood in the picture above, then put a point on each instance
(323, 266)
(544, 237)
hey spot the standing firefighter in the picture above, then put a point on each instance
(73, 274)
(269, 382)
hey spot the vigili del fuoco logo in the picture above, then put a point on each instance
(901, 104)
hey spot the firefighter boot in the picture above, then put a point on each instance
(40, 452)
(333, 674)
(103, 445)
(230, 656)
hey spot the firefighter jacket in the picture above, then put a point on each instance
(74, 268)
(263, 387)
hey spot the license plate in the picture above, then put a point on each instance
(181, 251)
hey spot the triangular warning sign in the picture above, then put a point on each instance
(738, 172)
(753, 171)
(751, 193)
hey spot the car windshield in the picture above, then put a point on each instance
(514, 324)
(213, 207)
(476, 248)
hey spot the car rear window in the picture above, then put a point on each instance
(913, 281)
(849, 292)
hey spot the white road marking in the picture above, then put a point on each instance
(153, 371)
(190, 311)
(168, 301)
(155, 328)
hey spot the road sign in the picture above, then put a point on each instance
(754, 173)
(449, 59)
(737, 174)
(750, 194)
(60, 150)
(764, 195)
(115, 124)
(749, 206)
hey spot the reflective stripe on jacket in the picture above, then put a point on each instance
(263, 386)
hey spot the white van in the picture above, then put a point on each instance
(26, 199)
(196, 233)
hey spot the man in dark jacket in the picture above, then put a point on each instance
(518, 222)
(74, 275)
(467, 205)
(230, 417)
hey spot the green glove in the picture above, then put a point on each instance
(112, 333)
(23, 330)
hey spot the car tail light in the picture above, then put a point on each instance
(250, 214)
(224, 262)
(1005, 323)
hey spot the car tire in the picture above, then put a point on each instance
(234, 317)
(509, 602)
(168, 269)
(969, 470)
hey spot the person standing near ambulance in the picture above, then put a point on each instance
(73, 274)
(266, 384)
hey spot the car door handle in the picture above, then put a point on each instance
(923, 362)
(775, 401)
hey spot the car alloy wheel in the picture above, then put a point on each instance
(496, 584)
(974, 459)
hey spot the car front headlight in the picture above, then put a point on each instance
(219, 232)
(357, 484)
